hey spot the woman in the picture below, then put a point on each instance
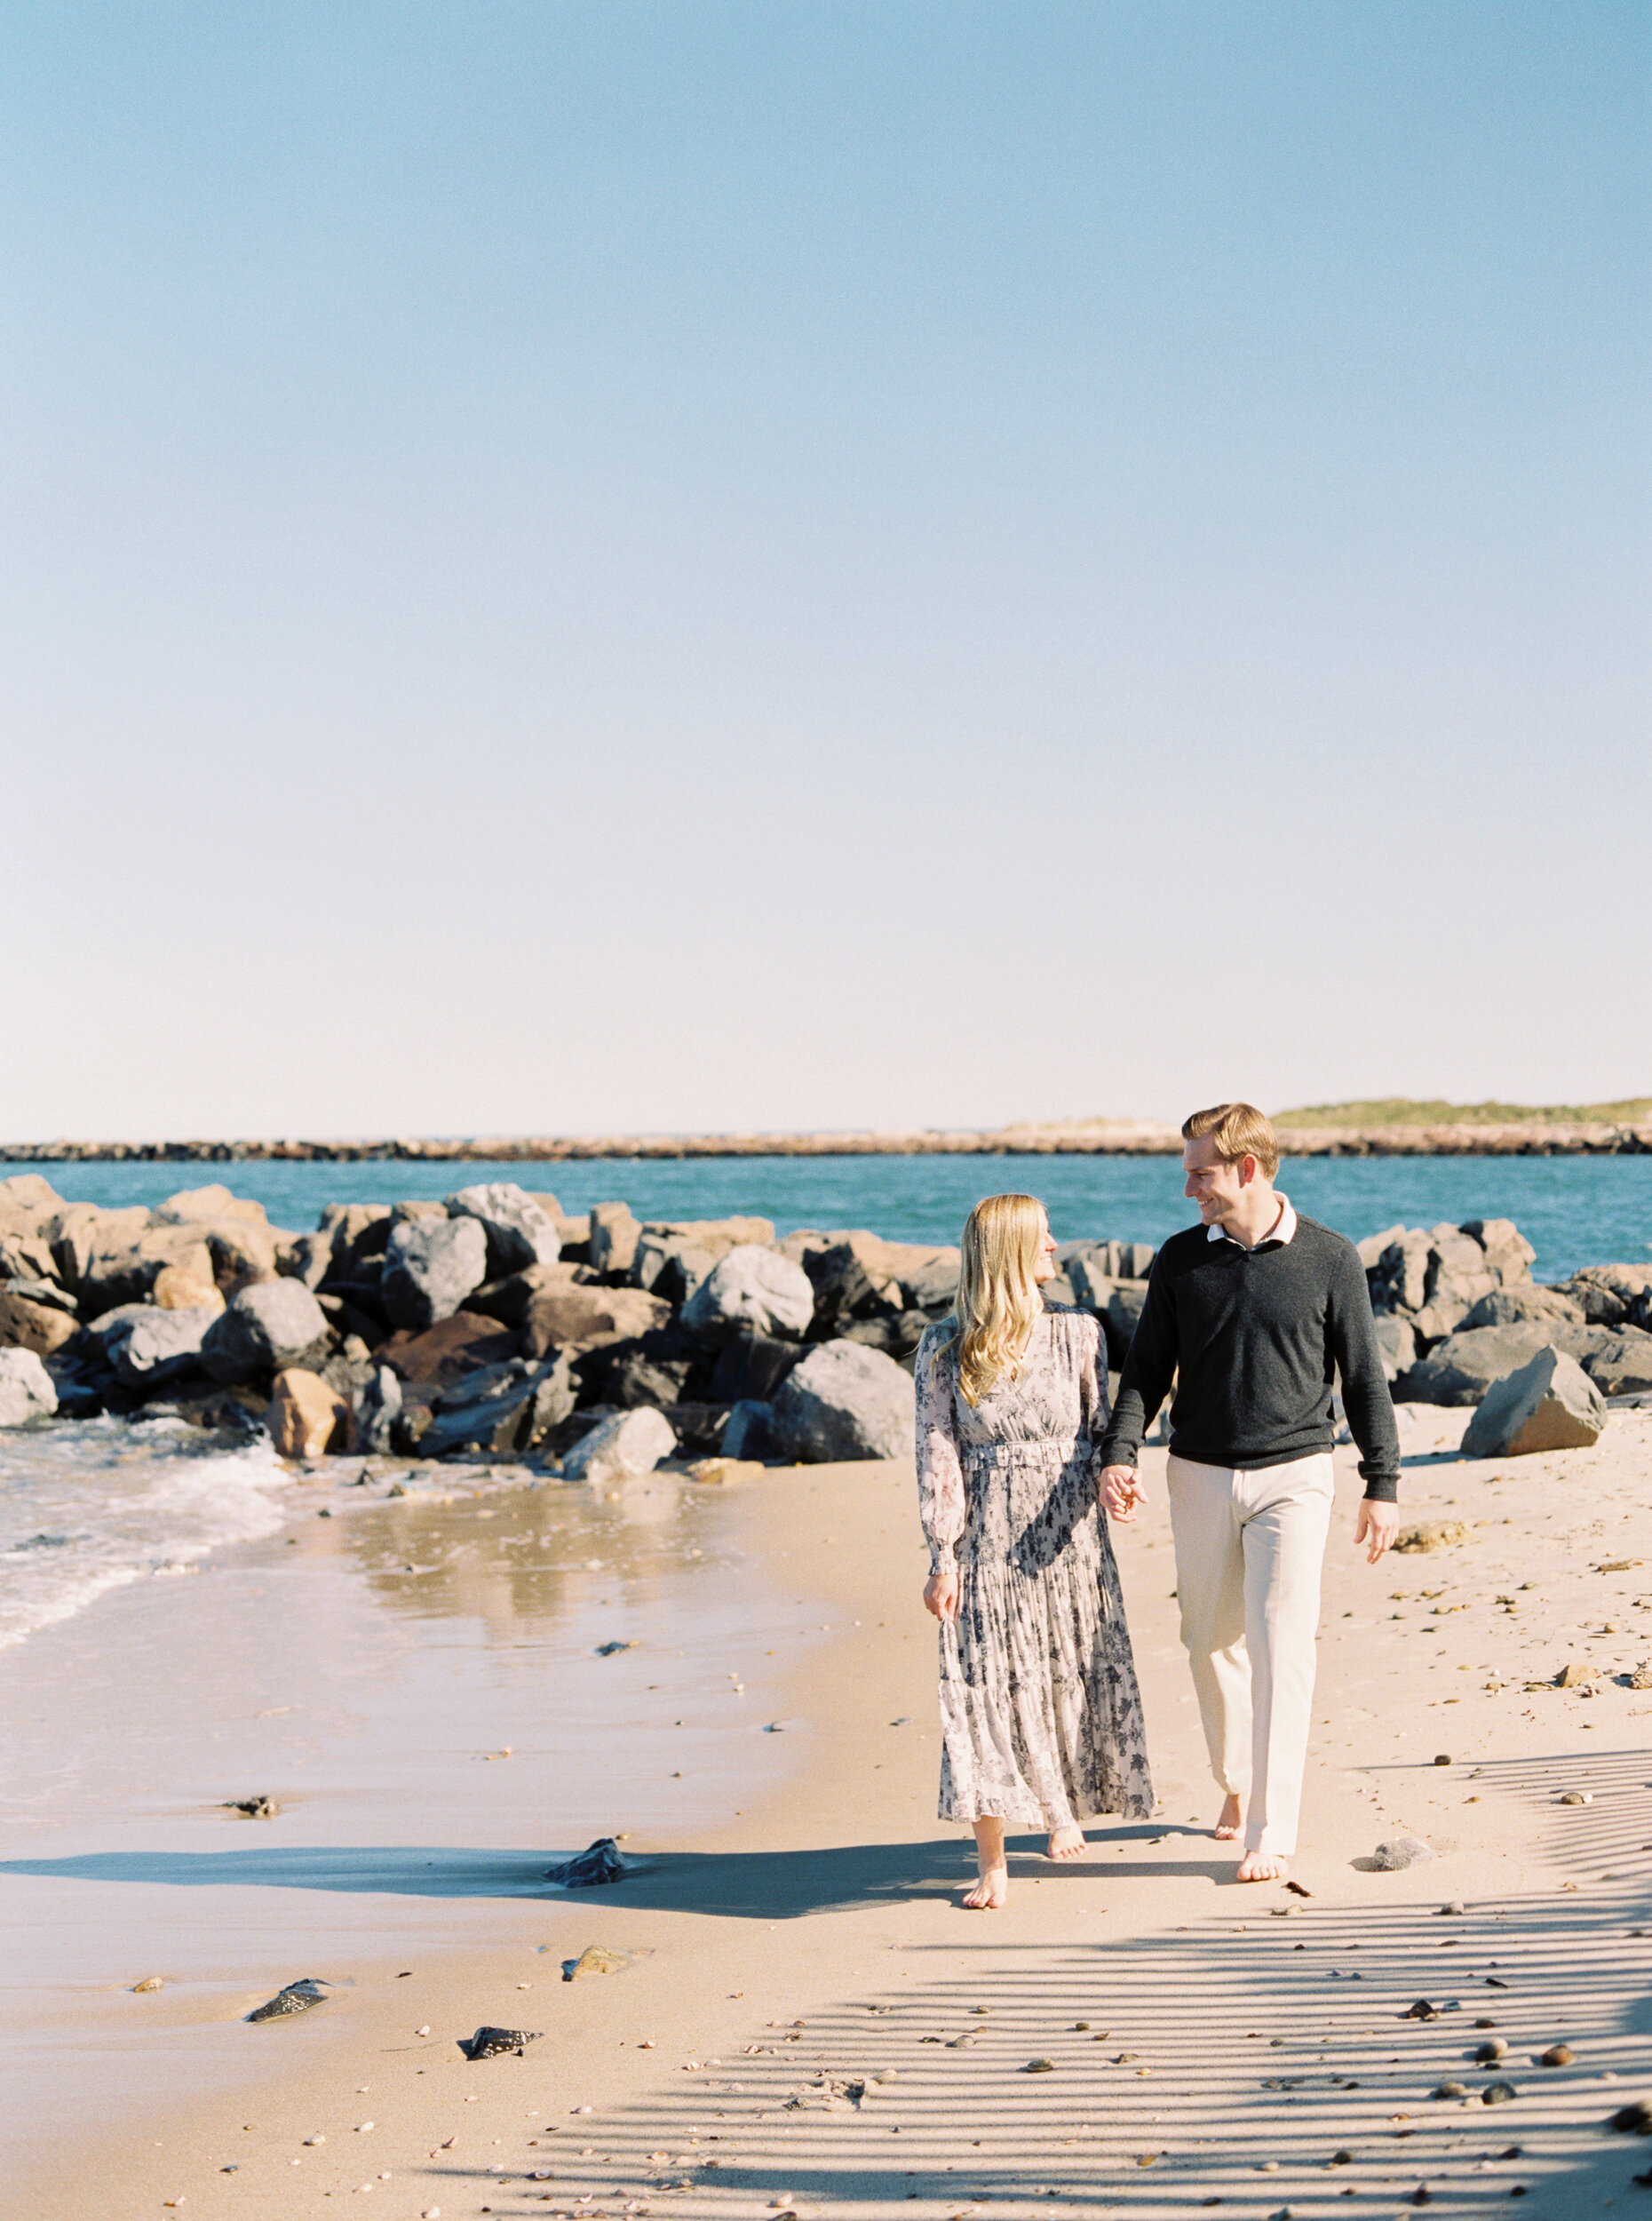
(1041, 1718)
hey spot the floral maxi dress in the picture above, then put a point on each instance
(1040, 1714)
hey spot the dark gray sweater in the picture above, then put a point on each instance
(1254, 1335)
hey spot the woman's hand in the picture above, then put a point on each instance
(1121, 1492)
(941, 1592)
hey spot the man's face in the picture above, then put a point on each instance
(1213, 1182)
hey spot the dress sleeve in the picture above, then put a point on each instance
(939, 1469)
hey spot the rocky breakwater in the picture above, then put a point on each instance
(1462, 1322)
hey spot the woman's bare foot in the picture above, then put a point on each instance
(989, 1893)
(1262, 1865)
(1231, 1824)
(1067, 1842)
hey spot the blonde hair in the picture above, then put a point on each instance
(1239, 1130)
(998, 1302)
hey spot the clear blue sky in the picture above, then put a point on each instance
(639, 567)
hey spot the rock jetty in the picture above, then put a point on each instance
(493, 1323)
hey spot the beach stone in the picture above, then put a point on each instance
(27, 1256)
(1432, 1534)
(51, 1293)
(1557, 2055)
(750, 1367)
(1397, 1274)
(1461, 1368)
(518, 1231)
(1514, 1307)
(644, 1375)
(25, 1325)
(595, 1959)
(114, 1274)
(618, 1448)
(1576, 1676)
(1396, 1343)
(374, 1408)
(1498, 2094)
(489, 2043)
(178, 1289)
(1119, 1320)
(298, 1997)
(273, 1324)
(1507, 1252)
(213, 1202)
(431, 1265)
(507, 1408)
(1635, 2119)
(25, 1389)
(1547, 1404)
(1405, 1850)
(585, 1317)
(307, 1417)
(673, 1266)
(614, 1234)
(1621, 1364)
(309, 1259)
(1609, 1292)
(508, 1300)
(846, 1286)
(598, 1865)
(30, 1192)
(845, 1402)
(753, 1290)
(932, 1285)
(1090, 1280)
(750, 1432)
(79, 1231)
(154, 1346)
(443, 1353)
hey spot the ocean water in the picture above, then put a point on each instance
(1575, 1211)
(91, 1505)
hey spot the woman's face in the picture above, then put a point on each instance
(1045, 1269)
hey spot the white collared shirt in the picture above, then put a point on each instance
(1282, 1231)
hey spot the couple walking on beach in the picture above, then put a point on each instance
(1252, 1314)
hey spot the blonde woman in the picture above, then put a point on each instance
(1040, 1714)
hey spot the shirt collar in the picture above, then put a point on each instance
(1279, 1235)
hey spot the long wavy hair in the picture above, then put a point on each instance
(998, 1300)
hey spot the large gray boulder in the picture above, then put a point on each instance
(28, 1323)
(1608, 1294)
(846, 1401)
(25, 1389)
(618, 1449)
(1509, 1307)
(431, 1265)
(502, 1408)
(1548, 1403)
(673, 1266)
(1508, 1253)
(933, 1285)
(615, 1231)
(1621, 1363)
(752, 1291)
(520, 1232)
(1396, 1340)
(1091, 1280)
(1119, 1319)
(273, 1324)
(151, 1346)
(1461, 1368)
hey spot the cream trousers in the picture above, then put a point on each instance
(1249, 1550)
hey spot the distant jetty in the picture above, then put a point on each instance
(1538, 1136)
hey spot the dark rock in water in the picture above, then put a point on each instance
(599, 1864)
(254, 1808)
(488, 2044)
(298, 1997)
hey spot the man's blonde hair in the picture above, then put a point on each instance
(1238, 1129)
(998, 1302)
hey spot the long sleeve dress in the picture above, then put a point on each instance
(1040, 1714)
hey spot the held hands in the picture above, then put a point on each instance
(941, 1592)
(1377, 1525)
(1121, 1492)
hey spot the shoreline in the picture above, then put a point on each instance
(1076, 1138)
(786, 1953)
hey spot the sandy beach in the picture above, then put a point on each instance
(792, 1923)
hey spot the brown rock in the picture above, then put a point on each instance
(454, 1345)
(307, 1416)
(41, 1327)
(559, 1318)
(1609, 1292)
(113, 1276)
(1432, 1534)
(178, 1289)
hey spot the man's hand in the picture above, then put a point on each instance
(1121, 1492)
(1379, 1523)
(941, 1592)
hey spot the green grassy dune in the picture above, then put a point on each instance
(1403, 1111)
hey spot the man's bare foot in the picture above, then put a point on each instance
(989, 1893)
(1262, 1865)
(1067, 1842)
(1231, 1824)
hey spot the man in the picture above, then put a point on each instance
(1253, 1312)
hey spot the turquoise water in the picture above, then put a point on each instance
(1575, 1211)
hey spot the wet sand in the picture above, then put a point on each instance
(794, 1922)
